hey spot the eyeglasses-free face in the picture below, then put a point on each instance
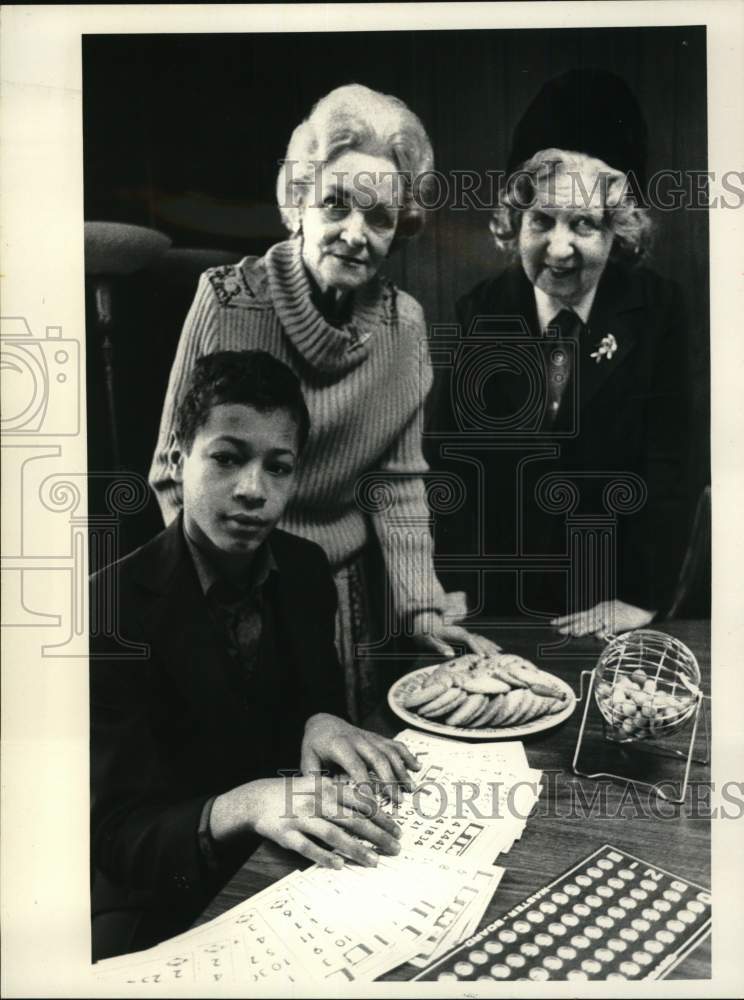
(564, 240)
(350, 221)
(237, 479)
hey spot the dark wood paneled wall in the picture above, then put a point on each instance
(178, 125)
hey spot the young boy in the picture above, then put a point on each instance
(237, 621)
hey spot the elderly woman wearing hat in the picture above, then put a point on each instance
(319, 303)
(611, 428)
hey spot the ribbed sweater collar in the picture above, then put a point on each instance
(325, 347)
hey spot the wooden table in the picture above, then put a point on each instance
(565, 826)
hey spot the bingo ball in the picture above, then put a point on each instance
(646, 685)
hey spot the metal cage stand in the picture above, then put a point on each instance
(686, 755)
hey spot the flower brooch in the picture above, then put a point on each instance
(607, 347)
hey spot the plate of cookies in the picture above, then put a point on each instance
(479, 697)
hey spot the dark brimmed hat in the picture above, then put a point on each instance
(589, 111)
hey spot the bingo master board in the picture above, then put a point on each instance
(611, 916)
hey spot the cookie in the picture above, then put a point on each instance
(445, 703)
(453, 669)
(514, 702)
(547, 685)
(475, 721)
(532, 705)
(480, 679)
(518, 671)
(540, 707)
(485, 718)
(423, 695)
(467, 710)
(556, 705)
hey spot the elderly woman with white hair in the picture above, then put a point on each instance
(319, 303)
(586, 390)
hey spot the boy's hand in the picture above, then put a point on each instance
(329, 740)
(296, 813)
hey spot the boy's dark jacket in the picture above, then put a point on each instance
(169, 730)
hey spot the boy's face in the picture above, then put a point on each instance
(238, 477)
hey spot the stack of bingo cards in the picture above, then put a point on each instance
(612, 916)
(353, 925)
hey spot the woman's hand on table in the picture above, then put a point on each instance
(363, 756)
(319, 818)
(606, 618)
(431, 632)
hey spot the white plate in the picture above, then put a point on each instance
(405, 685)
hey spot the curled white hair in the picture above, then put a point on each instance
(630, 223)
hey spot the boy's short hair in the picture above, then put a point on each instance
(253, 378)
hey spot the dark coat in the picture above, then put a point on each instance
(171, 728)
(627, 414)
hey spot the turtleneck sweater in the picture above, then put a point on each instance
(365, 385)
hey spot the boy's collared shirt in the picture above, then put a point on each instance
(237, 608)
(263, 564)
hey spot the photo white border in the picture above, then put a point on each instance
(44, 840)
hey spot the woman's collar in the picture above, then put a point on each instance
(548, 306)
(326, 347)
(336, 310)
